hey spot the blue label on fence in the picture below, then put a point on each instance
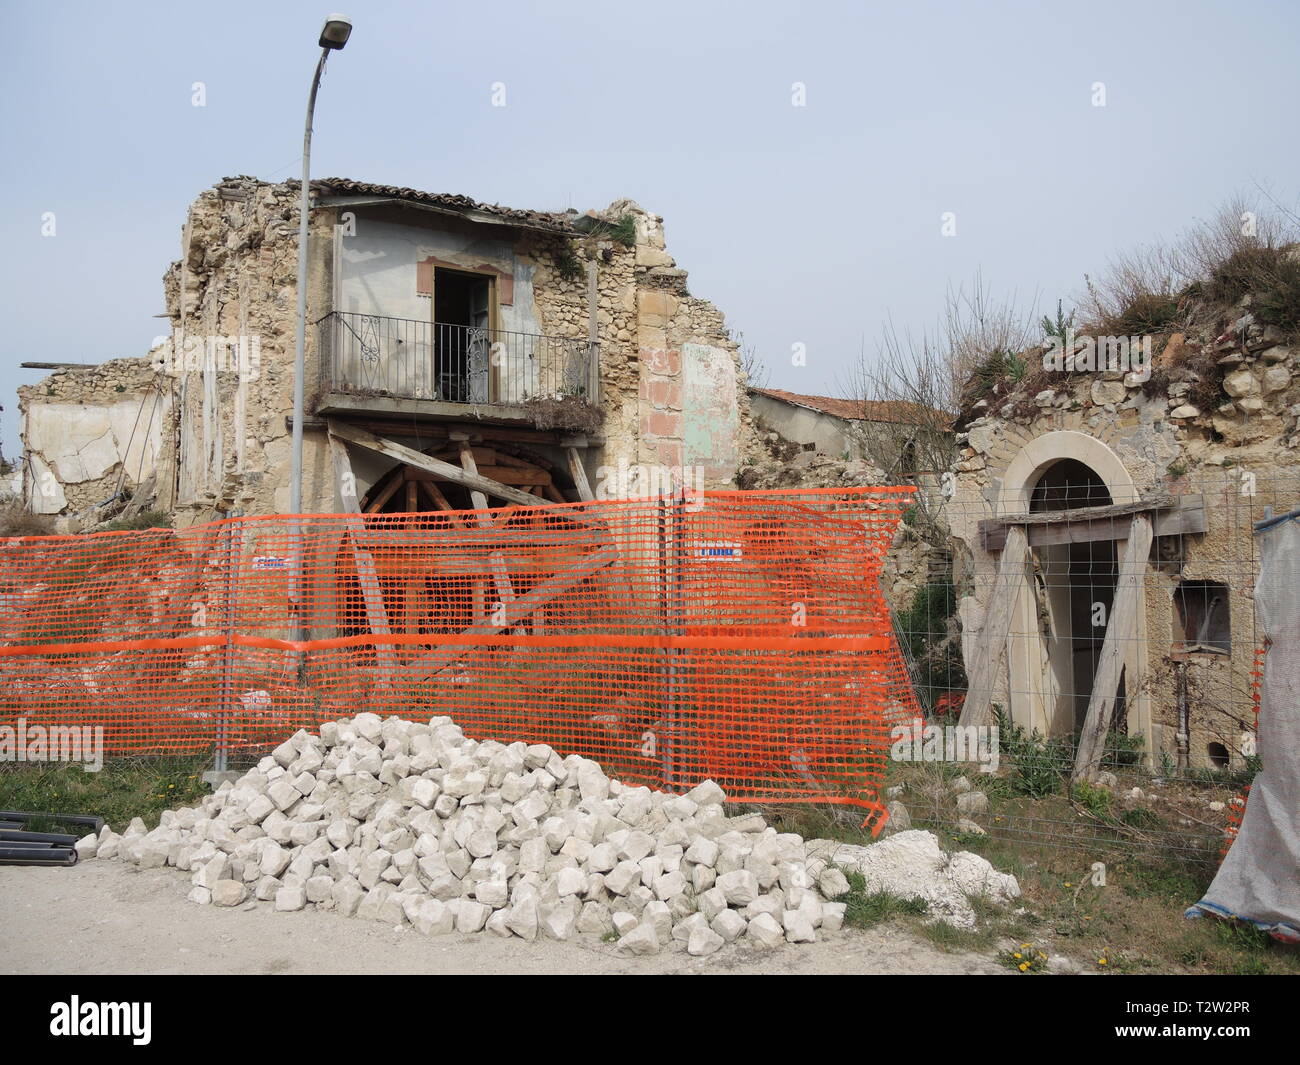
(270, 562)
(718, 551)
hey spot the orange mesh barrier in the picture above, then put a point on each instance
(741, 636)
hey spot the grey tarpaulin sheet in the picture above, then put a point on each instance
(1259, 880)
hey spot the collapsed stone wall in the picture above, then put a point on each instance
(236, 278)
(670, 377)
(915, 559)
(90, 436)
(1217, 416)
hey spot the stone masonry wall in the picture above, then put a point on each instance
(1246, 442)
(670, 389)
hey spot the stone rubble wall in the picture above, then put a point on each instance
(85, 432)
(1168, 444)
(670, 392)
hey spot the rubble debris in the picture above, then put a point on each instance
(408, 823)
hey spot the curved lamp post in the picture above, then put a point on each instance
(333, 36)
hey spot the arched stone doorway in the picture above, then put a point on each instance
(1074, 585)
(1060, 615)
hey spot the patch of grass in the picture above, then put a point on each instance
(1121, 749)
(1270, 274)
(17, 520)
(146, 519)
(1146, 313)
(865, 909)
(573, 413)
(123, 789)
(1140, 817)
(623, 231)
(567, 264)
(1095, 799)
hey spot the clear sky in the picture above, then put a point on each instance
(804, 224)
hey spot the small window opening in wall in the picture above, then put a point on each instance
(1203, 617)
(1217, 753)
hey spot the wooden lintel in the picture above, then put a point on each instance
(1169, 517)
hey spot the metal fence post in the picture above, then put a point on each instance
(225, 706)
(670, 570)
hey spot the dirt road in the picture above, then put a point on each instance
(104, 917)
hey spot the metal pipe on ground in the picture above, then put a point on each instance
(25, 816)
(56, 839)
(33, 856)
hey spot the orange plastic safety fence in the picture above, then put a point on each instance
(741, 636)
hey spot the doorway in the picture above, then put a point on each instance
(462, 325)
(1075, 583)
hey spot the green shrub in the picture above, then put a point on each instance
(923, 628)
(146, 519)
(1150, 312)
(1121, 749)
(1039, 767)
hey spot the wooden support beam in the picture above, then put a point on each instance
(505, 474)
(497, 564)
(1121, 630)
(440, 501)
(376, 614)
(579, 474)
(448, 472)
(384, 496)
(455, 474)
(393, 538)
(542, 592)
(992, 645)
(1169, 516)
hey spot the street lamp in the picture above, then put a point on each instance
(333, 36)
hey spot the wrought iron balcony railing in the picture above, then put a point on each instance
(405, 358)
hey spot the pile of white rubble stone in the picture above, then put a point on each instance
(402, 822)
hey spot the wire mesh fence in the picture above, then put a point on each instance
(738, 636)
(1078, 672)
(1109, 637)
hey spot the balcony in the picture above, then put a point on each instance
(403, 365)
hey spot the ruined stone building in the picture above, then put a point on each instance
(545, 349)
(902, 440)
(1063, 476)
